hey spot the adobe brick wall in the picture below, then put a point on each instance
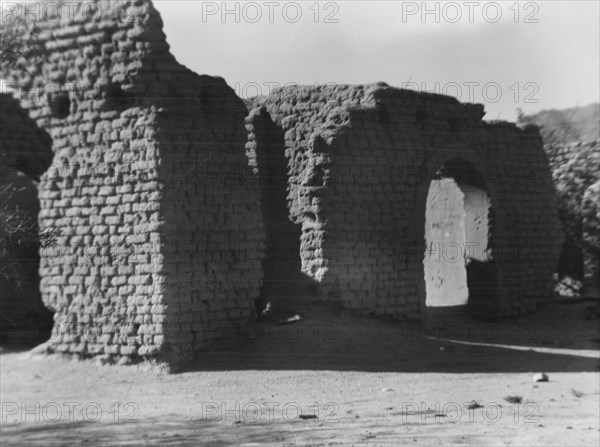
(160, 247)
(361, 159)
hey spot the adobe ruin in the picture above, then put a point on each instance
(166, 195)
(368, 164)
(151, 261)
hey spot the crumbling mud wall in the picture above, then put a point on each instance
(160, 193)
(212, 236)
(360, 163)
(160, 232)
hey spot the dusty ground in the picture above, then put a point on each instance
(364, 382)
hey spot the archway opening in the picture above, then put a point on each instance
(459, 269)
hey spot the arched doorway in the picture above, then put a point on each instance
(459, 268)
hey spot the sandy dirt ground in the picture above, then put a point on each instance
(332, 379)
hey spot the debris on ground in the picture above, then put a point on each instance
(513, 399)
(540, 377)
(473, 405)
(576, 393)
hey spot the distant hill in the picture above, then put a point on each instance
(567, 125)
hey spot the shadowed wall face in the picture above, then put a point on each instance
(281, 265)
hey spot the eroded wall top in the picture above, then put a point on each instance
(104, 56)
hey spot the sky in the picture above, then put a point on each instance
(506, 54)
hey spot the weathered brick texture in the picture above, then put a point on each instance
(360, 161)
(157, 179)
(161, 235)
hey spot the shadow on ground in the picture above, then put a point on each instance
(558, 338)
